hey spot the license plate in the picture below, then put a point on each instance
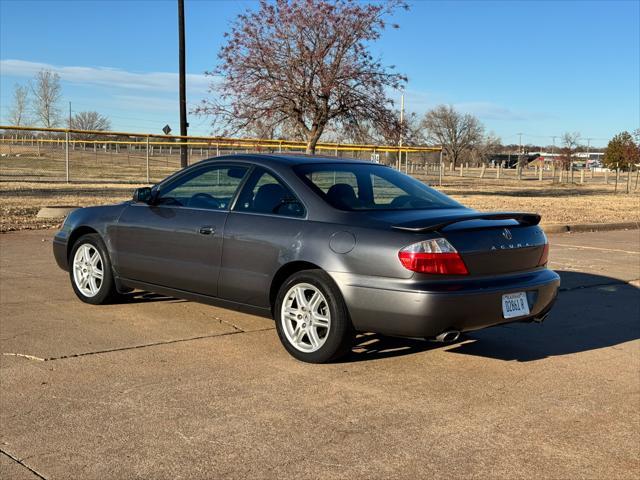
(515, 305)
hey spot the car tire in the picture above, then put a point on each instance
(90, 271)
(312, 318)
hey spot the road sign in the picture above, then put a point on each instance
(166, 129)
(375, 157)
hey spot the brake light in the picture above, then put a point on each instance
(544, 257)
(435, 256)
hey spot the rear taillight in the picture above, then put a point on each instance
(544, 257)
(433, 256)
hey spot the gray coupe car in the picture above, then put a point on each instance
(327, 247)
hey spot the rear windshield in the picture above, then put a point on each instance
(356, 186)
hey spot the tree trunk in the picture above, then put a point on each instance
(313, 138)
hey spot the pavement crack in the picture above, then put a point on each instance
(21, 462)
(230, 324)
(24, 355)
(602, 284)
(134, 347)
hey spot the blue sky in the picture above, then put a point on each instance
(541, 68)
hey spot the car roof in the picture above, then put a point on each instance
(290, 159)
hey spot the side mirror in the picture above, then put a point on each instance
(142, 195)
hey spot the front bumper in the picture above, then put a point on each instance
(426, 309)
(60, 249)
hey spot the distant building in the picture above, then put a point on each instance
(581, 159)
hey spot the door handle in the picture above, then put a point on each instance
(207, 230)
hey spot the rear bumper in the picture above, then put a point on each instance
(420, 309)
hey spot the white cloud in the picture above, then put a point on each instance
(489, 111)
(108, 77)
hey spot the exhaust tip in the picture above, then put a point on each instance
(541, 319)
(448, 336)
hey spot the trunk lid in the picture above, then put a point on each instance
(494, 243)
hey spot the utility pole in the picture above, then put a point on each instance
(69, 115)
(586, 163)
(401, 131)
(519, 153)
(183, 95)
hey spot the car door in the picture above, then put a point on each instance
(176, 241)
(263, 232)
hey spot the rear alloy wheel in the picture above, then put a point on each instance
(90, 271)
(305, 317)
(311, 318)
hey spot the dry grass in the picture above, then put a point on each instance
(20, 201)
(558, 204)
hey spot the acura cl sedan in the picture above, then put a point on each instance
(327, 247)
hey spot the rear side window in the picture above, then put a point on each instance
(264, 193)
(325, 179)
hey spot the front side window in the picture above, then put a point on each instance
(358, 186)
(263, 193)
(210, 188)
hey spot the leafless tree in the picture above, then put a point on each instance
(570, 144)
(47, 91)
(18, 114)
(90, 121)
(458, 133)
(490, 145)
(306, 62)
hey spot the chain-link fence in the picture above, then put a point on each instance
(33, 154)
(59, 155)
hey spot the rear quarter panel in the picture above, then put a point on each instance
(257, 246)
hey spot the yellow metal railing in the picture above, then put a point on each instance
(196, 141)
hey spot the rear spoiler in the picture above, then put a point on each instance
(438, 223)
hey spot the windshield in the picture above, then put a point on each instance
(357, 186)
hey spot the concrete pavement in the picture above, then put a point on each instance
(162, 388)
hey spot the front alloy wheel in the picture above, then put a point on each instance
(88, 270)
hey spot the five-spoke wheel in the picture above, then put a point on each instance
(306, 317)
(90, 270)
(311, 317)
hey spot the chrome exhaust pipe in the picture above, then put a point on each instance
(448, 336)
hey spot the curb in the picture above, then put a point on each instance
(590, 227)
(55, 211)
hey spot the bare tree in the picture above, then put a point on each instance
(490, 145)
(47, 91)
(458, 133)
(570, 143)
(306, 62)
(18, 115)
(90, 121)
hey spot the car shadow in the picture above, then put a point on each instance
(370, 346)
(147, 297)
(592, 312)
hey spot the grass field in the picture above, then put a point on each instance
(557, 203)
